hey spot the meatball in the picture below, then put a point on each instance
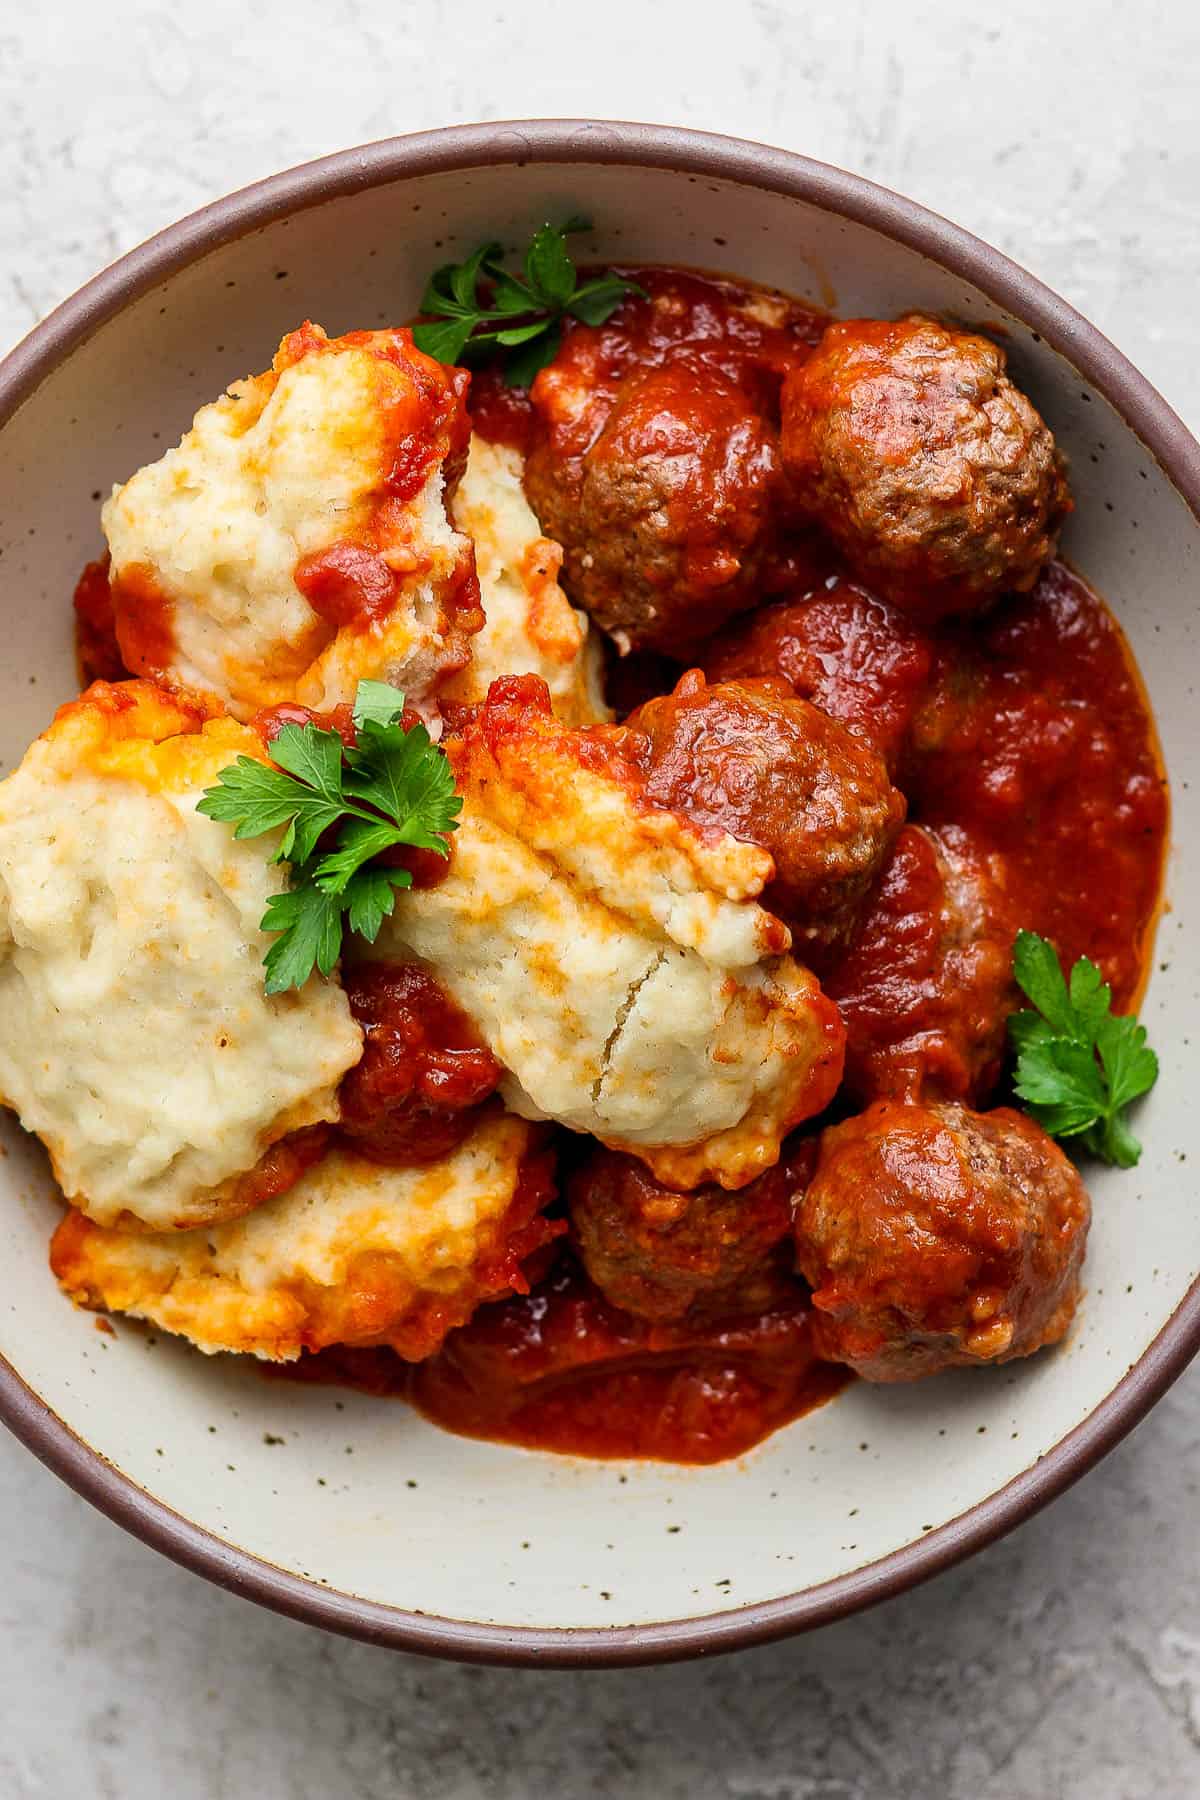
(664, 513)
(925, 985)
(666, 1256)
(423, 1071)
(857, 658)
(935, 1237)
(750, 758)
(933, 474)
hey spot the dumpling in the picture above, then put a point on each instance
(613, 958)
(296, 540)
(530, 627)
(136, 1038)
(354, 1253)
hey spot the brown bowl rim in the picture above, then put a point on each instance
(1164, 435)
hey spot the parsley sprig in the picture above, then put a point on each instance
(519, 315)
(394, 787)
(1079, 1064)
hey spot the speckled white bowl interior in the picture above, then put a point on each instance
(361, 1499)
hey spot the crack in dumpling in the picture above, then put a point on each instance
(614, 959)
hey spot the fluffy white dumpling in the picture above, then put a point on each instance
(296, 540)
(530, 627)
(136, 1038)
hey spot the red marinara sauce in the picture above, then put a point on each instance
(560, 1369)
(1037, 738)
(97, 652)
(423, 1071)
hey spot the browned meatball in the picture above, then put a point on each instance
(933, 473)
(661, 497)
(925, 985)
(857, 658)
(935, 1237)
(750, 758)
(666, 1256)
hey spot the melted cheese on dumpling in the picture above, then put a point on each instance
(136, 1038)
(304, 462)
(354, 1253)
(614, 960)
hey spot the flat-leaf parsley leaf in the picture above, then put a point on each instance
(394, 787)
(518, 315)
(1079, 1064)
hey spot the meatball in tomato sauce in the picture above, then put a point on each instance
(857, 658)
(664, 1255)
(935, 1237)
(563, 1369)
(750, 758)
(925, 985)
(664, 512)
(932, 473)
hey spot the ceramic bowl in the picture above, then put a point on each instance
(353, 1513)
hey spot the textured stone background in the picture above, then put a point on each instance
(1063, 1664)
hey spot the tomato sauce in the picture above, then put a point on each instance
(270, 721)
(1037, 739)
(347, 585)
(751, 336)
(924, 987)
(97, 652)
(560, 1369)
(852, 655)
(281, 1167)
(499, 413)
(1026, 730)
(144, 622)
(424, 1070)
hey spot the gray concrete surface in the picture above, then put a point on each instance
(1064, 1664)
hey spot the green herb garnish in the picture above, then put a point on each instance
(394, 787)
(518, 315)
(1079, 1064)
